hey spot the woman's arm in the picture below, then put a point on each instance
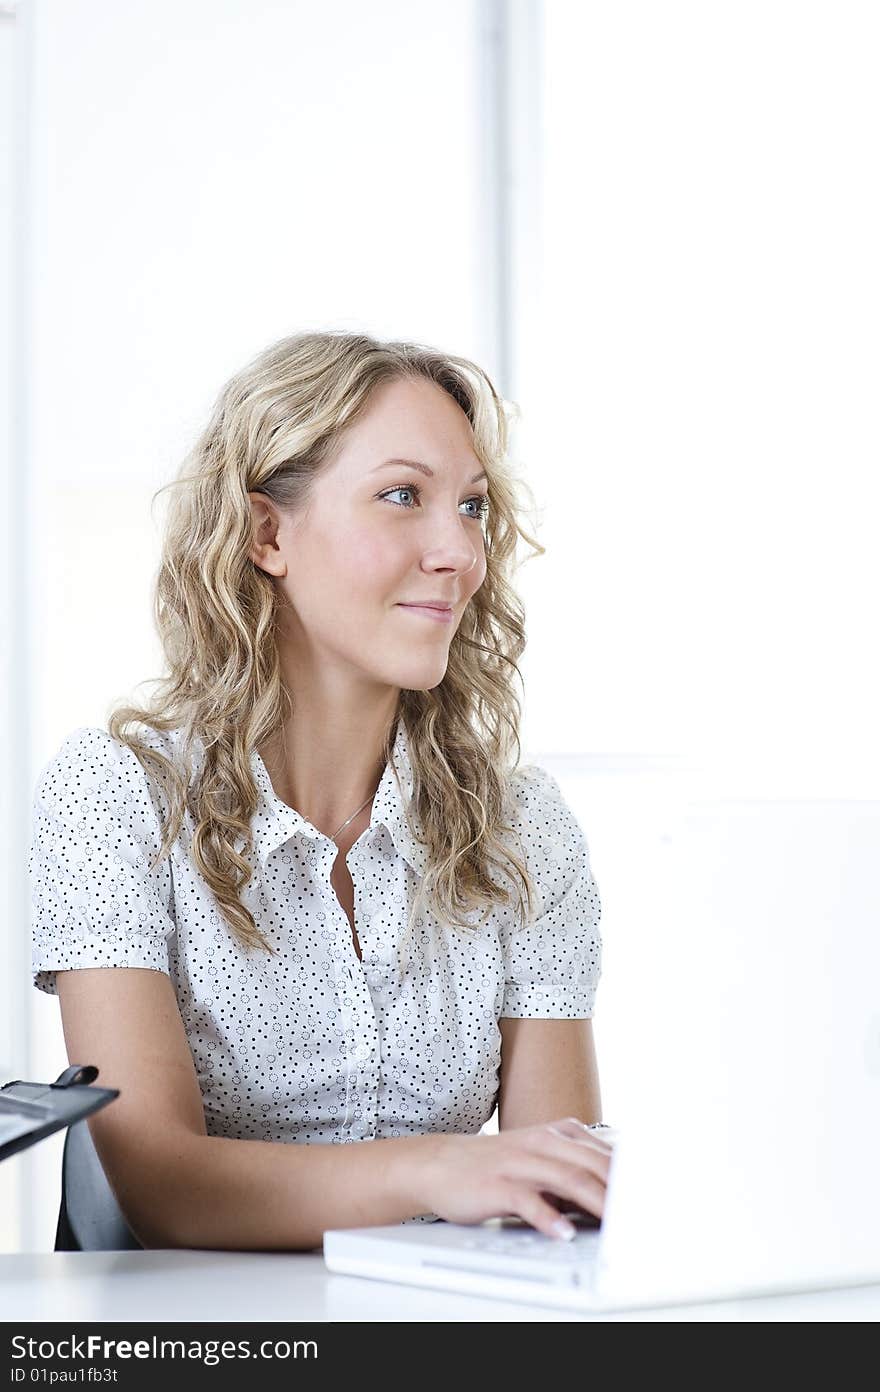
(548, 1069)
(179, 1187)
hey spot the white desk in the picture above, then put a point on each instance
(183, 1285)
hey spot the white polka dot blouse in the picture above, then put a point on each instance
(312, 1044)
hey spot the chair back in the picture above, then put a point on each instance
(89, 1219)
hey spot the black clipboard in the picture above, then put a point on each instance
(30, 1111)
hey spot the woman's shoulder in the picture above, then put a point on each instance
(94, 744)
(548, 828)
(539, 805)
(90, 761)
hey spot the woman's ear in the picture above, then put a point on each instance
(265, 551)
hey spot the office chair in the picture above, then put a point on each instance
(89, 1219)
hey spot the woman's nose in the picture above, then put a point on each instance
(452, 541)
(454, 552)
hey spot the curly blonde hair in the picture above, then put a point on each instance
(273, 426)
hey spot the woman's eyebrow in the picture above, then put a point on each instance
(423, 468)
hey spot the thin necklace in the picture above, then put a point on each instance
(354, 814)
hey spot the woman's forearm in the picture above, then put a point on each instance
(210, 1191)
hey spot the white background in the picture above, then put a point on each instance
(654, 225)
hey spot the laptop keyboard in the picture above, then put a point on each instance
(528, 1243)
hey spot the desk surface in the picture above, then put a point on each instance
(183, 1285)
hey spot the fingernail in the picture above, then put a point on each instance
(562, 1228)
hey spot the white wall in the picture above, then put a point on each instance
(14, 603)
(709, 433)
(7, 579)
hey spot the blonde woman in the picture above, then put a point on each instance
(305, 910)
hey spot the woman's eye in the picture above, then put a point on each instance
(482, 502)
(481, 499)
(404, 488)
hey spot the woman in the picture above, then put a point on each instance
(311, 898)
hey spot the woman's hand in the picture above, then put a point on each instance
(467, 1179)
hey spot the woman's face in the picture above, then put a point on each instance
(376, 537)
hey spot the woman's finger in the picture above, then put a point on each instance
(570, 1126)
(581, 1136)
(583, 1151)
(571, 1207)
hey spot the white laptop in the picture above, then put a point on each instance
(751, 1165)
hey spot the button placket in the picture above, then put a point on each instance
(357, 1017)
(361, 1058)
(361, 1064)
(360, 1039)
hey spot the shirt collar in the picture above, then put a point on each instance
(276, 822)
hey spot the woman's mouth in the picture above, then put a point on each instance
(427, 611)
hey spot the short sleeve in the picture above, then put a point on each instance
(96, 830)
(553, 964)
